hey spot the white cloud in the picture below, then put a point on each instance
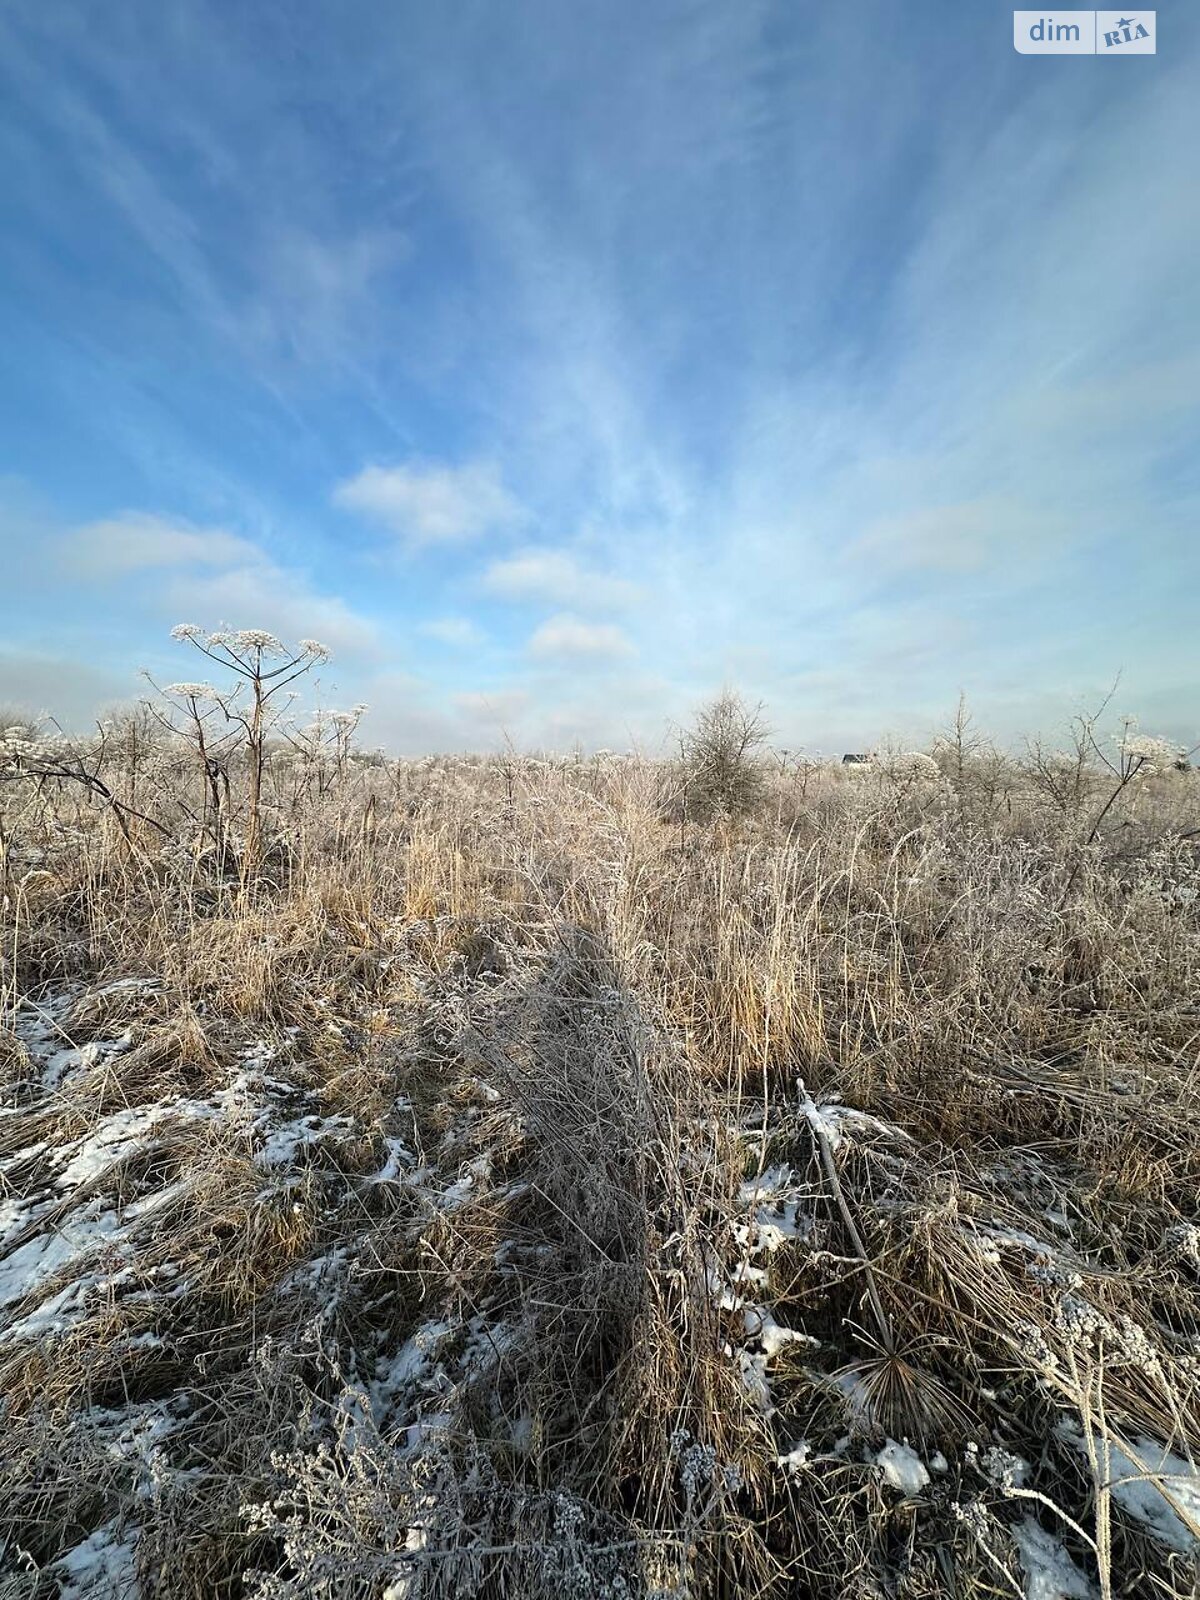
(406, 716)
(556, 577)
(431, 504)
(271, 597)
(205, 575)
(135, 540)
(570, 637)
(459, 632)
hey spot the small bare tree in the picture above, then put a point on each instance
(955, 750)
(721, 771)
(1099, 771)
(975, 769)
(1065, 777)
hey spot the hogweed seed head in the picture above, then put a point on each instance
(245, 641)
(192, 691)
(1151, 755)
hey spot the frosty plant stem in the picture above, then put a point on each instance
(54, 758)
(249, 653)
(1136, 756)
(196, 707)
(808, 1106)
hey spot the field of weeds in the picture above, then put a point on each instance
(481, 1177)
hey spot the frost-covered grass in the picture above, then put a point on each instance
(517, 1191)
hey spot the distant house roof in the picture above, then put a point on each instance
(854, 761)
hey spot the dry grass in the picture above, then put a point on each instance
(484, 1199)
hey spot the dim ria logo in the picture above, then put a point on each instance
(1084, 33)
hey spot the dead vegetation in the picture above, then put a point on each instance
(484, 1180)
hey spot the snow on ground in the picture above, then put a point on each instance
(774, 1197)
(74, 1226)
(399, 1157)
(101, 1567)
(137, 1436)
(1155, 1487)
(46, 1253)
(283, 1142)
(40, 1028)
(400, 1375)
(762, 1327)
(839, 1125)
(770, 1184)
(69, 1221)
(855, 1396)
(903, 1468)
(69, 1243)
(1050, 1573)
(796, 1457)
(1170, 1502)
(121, 1135)
(752, 1369)
(991, 1238)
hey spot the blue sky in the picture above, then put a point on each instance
(556, 364)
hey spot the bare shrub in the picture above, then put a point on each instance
(721, 771)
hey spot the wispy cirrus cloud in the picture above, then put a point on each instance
(59, 685)
(965, 537)
(277, 285)
(850, 365)
(315, 291)
(495, 711)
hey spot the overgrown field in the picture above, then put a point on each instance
(510, 1185)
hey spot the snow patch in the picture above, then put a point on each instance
(773, 1336)
(839, 1124)
(403, 1372)
(1050, 1574)
(1158, 1489)
(903, 1468)
(398, 1158)
(752, 1369)
(796, 1458)
(101, 1568)
(39, 1258)
(118, 1137)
